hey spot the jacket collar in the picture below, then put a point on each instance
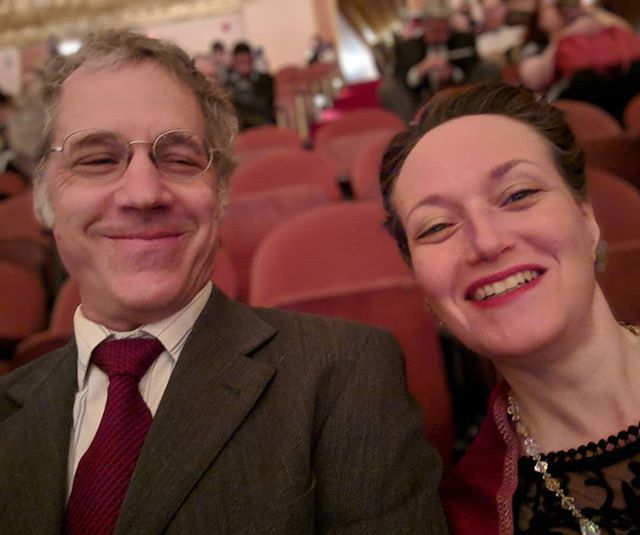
(214, 385)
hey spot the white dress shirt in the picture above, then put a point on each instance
(93, 382)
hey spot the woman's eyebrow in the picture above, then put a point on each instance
(502, 169)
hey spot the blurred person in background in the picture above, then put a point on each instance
(592, 55)
(496, 39)
(252, 92)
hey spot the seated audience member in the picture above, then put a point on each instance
(486, 197)
(594, 56)
(436, 59)
(204, 63)
(252, 92)
(174, 409)
(497, 39)
(220, 59)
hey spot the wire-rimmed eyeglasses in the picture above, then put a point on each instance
(99, 154)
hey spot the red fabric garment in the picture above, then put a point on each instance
(477, 495)
(610, 48)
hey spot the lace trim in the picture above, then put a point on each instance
(614, 443)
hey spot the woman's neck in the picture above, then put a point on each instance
(583, 389)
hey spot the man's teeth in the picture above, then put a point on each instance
(505, 285)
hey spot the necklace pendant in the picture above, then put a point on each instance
(587, 527)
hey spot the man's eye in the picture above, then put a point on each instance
(519, 195)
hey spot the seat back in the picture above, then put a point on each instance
(631, 116)
(616, 205)
(249, 218)
(283, 168)
(587, 121)
(22, 306)
(338, 260)
(17, 220)
(365, 173)
(619, 281)
(11, 184)
(620, 155)
(263, 139)
(340, 139)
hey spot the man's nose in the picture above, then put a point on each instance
(142, 186)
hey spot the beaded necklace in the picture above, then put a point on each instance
(532, 449)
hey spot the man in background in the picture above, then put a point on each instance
(438, 58)
(252, 91)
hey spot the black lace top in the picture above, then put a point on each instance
(603, 478)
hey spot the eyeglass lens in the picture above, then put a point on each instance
(103, 154)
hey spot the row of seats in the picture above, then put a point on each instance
(607, 145)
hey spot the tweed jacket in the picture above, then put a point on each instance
(272, 423)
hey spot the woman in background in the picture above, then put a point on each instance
(486, 197)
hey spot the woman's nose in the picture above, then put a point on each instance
(488, 239)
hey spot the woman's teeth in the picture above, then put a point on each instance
(505, 285)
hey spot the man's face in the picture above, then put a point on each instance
(140, 245)
(436, 31)
(242, 63)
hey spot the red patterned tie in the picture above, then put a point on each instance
(104, 472)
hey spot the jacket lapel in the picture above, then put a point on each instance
(36, 491)
(213, 387)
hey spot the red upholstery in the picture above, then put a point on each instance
(587, 121)
(11, 184)
(283, 168)
(249, 218)
(619, 281)
(290, 78)
(631, 116)
(365, 173)
(23, 303)
(620, 155)
(5, 367)
(357, 122)
(262, 139)
(224, 273)
(33, 254)
(338, 260)
(18, 221)
(38, 344)
(616, 205)
(340, 139)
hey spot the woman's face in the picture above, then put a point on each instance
(502, 249)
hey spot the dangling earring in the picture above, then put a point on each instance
(600, 256)
(433, 314)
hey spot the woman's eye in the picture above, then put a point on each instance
(519, 195)
(433, 230)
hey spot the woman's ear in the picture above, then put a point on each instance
(592, 227)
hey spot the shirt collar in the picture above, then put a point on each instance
(172, 331)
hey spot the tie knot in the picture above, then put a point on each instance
(129, 356)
